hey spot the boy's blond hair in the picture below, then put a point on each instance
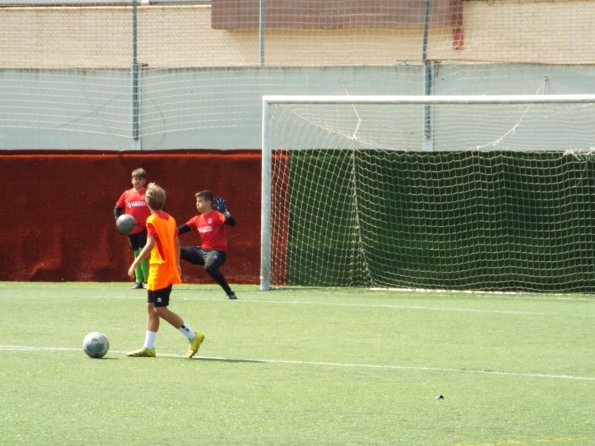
(155, 196)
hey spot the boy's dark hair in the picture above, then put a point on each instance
(207, 195)
(140, 172)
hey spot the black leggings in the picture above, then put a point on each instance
(211, 259)
(138, 240)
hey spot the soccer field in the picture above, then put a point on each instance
(298, 367)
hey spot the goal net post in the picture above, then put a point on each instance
(440, 192)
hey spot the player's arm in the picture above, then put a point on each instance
(120, 205)
(141, 255)
(178, 256)
(183, 229)
(229, 220)
(118, 211)
(219, 204)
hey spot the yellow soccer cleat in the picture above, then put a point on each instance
(194, 344)
(142, 353)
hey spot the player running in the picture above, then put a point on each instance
(163, 246)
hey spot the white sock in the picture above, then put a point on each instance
(150, 339)
(187, 331)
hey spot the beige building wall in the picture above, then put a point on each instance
(64, 37)
(551, 32)
(557, 32)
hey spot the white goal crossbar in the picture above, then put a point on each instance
(418, 99)
(270, 100)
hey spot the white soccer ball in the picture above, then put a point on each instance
(95, 345)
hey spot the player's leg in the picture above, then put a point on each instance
(143, 274)
(136, 247)
(148, 348)
(192, 254)
(138, 273)
(195, 338)
(152, 317)
(213, 260)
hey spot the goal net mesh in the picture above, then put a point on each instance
(504, 201)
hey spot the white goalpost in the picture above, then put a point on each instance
(457, 191)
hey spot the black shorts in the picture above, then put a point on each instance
(138, 241)
(159, 298)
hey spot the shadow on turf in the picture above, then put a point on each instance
(232, 360)
(228, 360)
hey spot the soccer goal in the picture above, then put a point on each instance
(435, 192)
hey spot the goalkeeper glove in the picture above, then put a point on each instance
(219, 204)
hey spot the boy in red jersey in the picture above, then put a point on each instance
(163, 246)
(132, 202)
(212, 252)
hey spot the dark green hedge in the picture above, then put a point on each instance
(489, 221)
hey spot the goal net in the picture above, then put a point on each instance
(443, 192)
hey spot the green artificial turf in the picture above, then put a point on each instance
(298, 366)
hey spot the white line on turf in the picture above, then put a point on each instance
(480, 294)
(29, 348)
(401, 307)
(326, 364)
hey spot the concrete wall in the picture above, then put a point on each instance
(221, 108)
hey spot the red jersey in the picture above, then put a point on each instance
(163, 263)
(133, 203)
(210, 229)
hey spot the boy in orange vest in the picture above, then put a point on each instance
(163, 246)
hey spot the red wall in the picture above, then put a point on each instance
(57, 217)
